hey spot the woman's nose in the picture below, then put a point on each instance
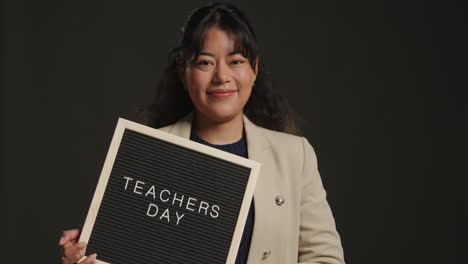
(221, 74)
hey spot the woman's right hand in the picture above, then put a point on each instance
(72, 250)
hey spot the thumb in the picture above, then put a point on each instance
(69, 235)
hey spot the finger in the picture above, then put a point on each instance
(69, 244)
(90, 260)
(74, 248)
(75, 252)
(73, 259)
(68, 235)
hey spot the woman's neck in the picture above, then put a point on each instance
(218, 133)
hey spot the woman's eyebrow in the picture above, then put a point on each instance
(212, 55)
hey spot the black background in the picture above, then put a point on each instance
(379, 84)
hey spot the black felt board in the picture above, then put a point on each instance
(124, 233)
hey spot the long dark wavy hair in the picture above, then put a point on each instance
(172, 101)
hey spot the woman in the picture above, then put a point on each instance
(215, 92)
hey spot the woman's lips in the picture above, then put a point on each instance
(221, 93)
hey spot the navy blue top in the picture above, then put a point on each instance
(238, 148)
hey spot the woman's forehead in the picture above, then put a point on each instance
(217, 40)
(215, 36)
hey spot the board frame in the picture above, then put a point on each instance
(124, 124)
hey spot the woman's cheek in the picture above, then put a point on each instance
(200, 79)
(246, 94)
(246, 76)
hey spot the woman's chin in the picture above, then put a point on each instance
(221, 115)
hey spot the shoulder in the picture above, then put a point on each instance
(166, 128)
(277, 138)
(290, 145)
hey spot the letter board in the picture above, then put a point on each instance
(161, 198)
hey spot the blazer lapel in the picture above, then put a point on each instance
(182, 127)
(259, 149)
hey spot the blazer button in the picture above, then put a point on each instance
(266, 253)
(279, 200)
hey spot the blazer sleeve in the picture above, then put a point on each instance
(319, 241)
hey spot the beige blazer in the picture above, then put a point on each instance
(301, 229)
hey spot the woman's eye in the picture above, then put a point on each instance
(237, 62)
(204, 63)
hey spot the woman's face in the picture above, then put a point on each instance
(220, 79)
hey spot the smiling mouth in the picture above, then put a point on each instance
(221, 93)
